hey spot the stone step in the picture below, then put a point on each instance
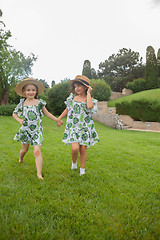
(126, 127)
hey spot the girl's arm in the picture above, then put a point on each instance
(89, 98)
(48, 114)
(59, 121)
(64, 113)
(21, 121)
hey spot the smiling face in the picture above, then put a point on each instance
(79, 88)
(30, 91)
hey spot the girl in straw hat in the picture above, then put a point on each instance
(80, 131)
(30, 109)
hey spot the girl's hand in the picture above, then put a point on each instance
(21, 121)
(59, 122)
(89, 89)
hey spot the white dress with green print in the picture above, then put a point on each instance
(31, 132)
(80, 125)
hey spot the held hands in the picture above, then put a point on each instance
(59, 122)
(21, 121)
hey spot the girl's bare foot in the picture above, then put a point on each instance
(20, 160)
(40, 177)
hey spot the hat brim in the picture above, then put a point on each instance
(78, 80)
(23, 83)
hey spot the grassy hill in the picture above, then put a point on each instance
(148, 94)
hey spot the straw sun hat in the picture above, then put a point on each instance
(82, 79)
(29, 81)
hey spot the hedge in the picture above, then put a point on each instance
(140, 110)
(7, 110)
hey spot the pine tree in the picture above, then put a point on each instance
(158, 62)
(87, 69)
(151, 73)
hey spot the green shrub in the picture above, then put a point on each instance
(7, 110)
(142, 110)
(56, 97)
(137, 85)
(13, 97)
(101, 90)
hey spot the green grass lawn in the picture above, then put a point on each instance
(118, 198)
(153, 94)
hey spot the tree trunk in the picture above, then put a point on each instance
(4, 98)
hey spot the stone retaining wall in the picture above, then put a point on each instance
(125, 92)
(107, 115)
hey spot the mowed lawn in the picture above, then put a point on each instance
(118, 198)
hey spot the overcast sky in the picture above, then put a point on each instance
(64, 33)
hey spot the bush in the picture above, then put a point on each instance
(101, 90)
(159, 82)
(56, 97)
(13, 97)
(59, 93)
(142, 110)
(7, 110)
(137, 85)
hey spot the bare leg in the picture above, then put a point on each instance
(23, 151)
(74, 153)
(83, 155)
(38, 159)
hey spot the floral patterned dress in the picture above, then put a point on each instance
(31, 132)
(80, 125)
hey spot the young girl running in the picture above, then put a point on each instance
(31, 110)
(80, 131)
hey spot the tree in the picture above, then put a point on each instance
(88, 71)
(65, 80)
(45, 84)
(53, 83)
(14, 66)
(151, 71)
(93, 74)
(1, 16)
(126, 64)
(158, 62)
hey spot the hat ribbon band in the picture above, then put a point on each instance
(82, 81)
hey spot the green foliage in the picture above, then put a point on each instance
(124, 63)
(56, 97)
(14, 66)
(13, 97)
(116, 83)
(117, 199)
(7, 110)
(137, 85)
(142, 110)
(158, 62)
(88, 71)
(45, 84)
(151, 70)
(121, 68)
(44, 96)
(152, 94)
(101, 90)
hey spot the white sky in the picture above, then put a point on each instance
(64, 33)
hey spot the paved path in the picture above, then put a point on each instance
(142, 130)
